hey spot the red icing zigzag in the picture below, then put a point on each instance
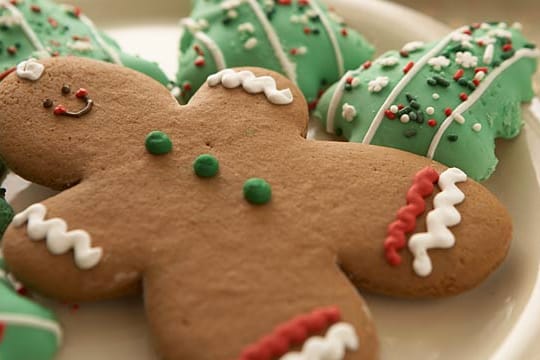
(293, 332)
(405, 222)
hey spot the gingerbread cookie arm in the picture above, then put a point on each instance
(244, 309)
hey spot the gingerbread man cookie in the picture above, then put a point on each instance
(248, 240)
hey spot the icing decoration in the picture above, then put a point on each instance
(303, 41)
(470, 64)
(252, 84)
(349, 112)
(405, 222)
(158, 143)
(206, 166)
(60, 110)
(257, 191)
(443, 216)
(58, 239)
(387, 62)
(412, 46)
(30, 69)
(59, 30)
(378, 84)
(339, 338)
(292, 332)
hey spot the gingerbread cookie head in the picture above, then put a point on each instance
(250, 242)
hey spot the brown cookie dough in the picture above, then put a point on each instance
(222, 259)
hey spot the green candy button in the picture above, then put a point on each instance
(206, 166)
(158, 143)
(257, 191)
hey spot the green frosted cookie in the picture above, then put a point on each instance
(27, 331)
(448, 100)
(42, 28)
(301, 39)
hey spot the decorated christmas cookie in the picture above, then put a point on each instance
(27, 331)
(301, 39)
(42, 28)
(244, 235)
(446, 100)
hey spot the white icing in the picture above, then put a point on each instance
(111, 52)
(413, 46)
(59, 240)
(30, 69)
(192, 26)
(439, 62)
(348, 112)
(289, 68)
(390, 61)
(475, 96)
(33, 322)
(339, 339)
(466, 59)
(403, 83)
(254, 85)
(334, 102)
(488, 54)
(443, 216)
(378, 84)
(9, 20)
(251, 43)
(81, 46)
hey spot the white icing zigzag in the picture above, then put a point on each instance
(59, 240)
(443, 215)
(339, 338)
(254, 85)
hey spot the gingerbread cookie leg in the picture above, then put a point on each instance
(247, 311)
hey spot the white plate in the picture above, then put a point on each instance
(498, 320)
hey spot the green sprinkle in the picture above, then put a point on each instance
(507, 55)
(415, 105)
(420, 117)
(206, 166)
(432, 82)
(158, 143)
(452, 138)
(348, 87)
(339, 132)
(529, 46)
(409, 97)
(471, 86)
(463, 82)
(257, 191)
(442, 81)
(409, 133)
(404, 111)
(413, 116)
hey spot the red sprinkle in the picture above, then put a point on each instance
(507, 47)
(463, 97)
(478, 69)
(294, 51)
(55, 54)
(2, 331)
(13, 2)
(459, 74)
(408, 67)
(480, 43)
(468, 32)
(344, 32)
(77, 11)
(313, 104)
(53, 22)
(367, 65)
(389, 114)
(198, 50)
(349, 80)
(476, 82)
(291, 333)
(405, 222)
(60, 110)
(476, 25)
(12, 50)
(401, 106)
(35, 8)
(404, 53)
(303, 2)
(199, 62)
(187, 86)
(307, 31)
(432, 122)
(81, 93)
(447, 111)
(284, 2)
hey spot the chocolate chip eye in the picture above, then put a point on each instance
(66, 89)
(48, 103)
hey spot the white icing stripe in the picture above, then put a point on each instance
(59, 240)
(208, 42)
(339, 338)
(404, 82)
(288, 67)
(476, 94)
(254, 85)
(443, 215)
(113, 54)
(333, 39)
(30, 34)
(334, 103)
(34, 322)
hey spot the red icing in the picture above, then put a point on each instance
(293, 332)
(405, 222)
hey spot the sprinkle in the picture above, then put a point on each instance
(432, 82)
(413, 116)
(349, 112)
(477, 127)
(507, 55)
(378, 84)
(404, 118)
(466, 59)
(463, 97)
(447, 111)
(408, 67)
(419, 117)
(432, 122)
(388, 62)
(404, 54)
(452, 138)
(480, 75)
(199, 61)
(415, 105)
(198, 50)
(307, 31)
(53, 22)
(158, 143)
(394, 109)
(436, 96)
(459, 74)
(430, 110)
(257, 191)
(400, 106)
(232, 14)
(442, 81)
(459, 119)
(246, 27)
(389, 114)
(35, 8)
(206, 166)
(344, 32)
(488, 54)
(409, 133)
(530, 46)
(251, 43)
(284, 2)
(476, 82)
(481, 69)
(412, 46)
(439, 62)
(12, 50)
(367, 65)
(507, 47)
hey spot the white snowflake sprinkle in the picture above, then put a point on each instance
(232, 14)
(349, 112)
(485, 26)
(502, 25)
(500, 33)
(413, 46)
(378, 84)
(246, 27)
(477, 127)
(390, 61)
(486, 40)
(439, 62)
(466, 59)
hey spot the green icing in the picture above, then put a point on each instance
(61, 32)
(257, 191)
(300, 32)
(158, 143)
(468, 145)
(206, 166)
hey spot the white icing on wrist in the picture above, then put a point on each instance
(443, 216)
(58, 239)
(252, 84)
(30, 70)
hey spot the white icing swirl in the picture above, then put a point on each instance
(443, 215)
(339, 338)
(30, 69)
(59, 240)
(252, 84)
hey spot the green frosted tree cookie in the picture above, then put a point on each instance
(27, 330)
(301, 39)
(448, 100)
(42, 28)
